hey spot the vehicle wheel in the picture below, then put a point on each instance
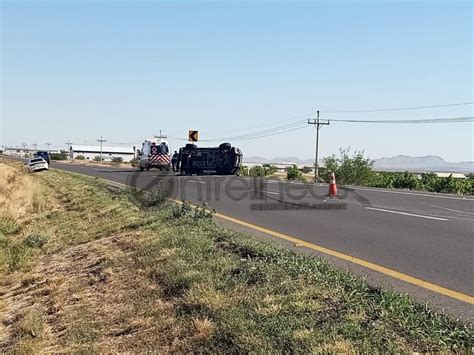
(141, 168)
(225, 146)
(148, 168)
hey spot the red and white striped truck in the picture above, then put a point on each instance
(155, 153)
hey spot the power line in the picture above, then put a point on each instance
(423, 121)
(294, 118)
(303, 124)
(273, 134)
(257, 134)
(399, 108)
(295, 121)
(268, 131)
(244, 138)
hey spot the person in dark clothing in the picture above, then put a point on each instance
(174, 160)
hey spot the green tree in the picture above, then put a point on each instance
(349, 168)
(80, 157)
(293, 173)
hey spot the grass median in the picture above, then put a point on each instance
(88, 267)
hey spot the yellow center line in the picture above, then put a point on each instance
(367, 264)
(392, 273)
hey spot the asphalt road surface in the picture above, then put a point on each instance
(420, 243)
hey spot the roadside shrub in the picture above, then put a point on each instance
(7, 226)
(447, 184)
(203, 213)
(427, 182)
(35, 241)
(407, 180)
(181, 210)
(17, 257)
(150, 199)
(58, 156)
(306, 169)
(262, 170)
(244, 170)
(134, 163)
(196, 214)
(80, 157)
(390, 180)
(269, 169)
(293, 173)
(257, 171)
(97, 158)
(117, 160)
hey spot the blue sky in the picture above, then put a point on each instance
(75, 70)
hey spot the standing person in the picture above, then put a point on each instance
(174, 160)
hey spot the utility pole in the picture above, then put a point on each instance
(161, 135)
(317, 124)
(68, 152)
(48, 144)
(101, 140)
(34, 146)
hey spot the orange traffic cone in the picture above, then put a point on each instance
(332, 186)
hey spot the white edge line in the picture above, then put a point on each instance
(408, 193)
(406, 214)
(452, 210)
(266, 192)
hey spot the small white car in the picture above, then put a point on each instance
(37, 164)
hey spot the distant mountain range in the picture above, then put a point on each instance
(427, 163)
(397, 163)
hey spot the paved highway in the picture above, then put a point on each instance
(414, 242)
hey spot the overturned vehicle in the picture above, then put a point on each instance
(222, 160)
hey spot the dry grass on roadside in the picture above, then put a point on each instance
(20, 195)
(23, 199)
